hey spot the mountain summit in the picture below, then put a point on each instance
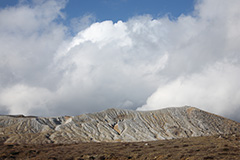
(115, 125)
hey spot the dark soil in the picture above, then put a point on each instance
(214, 147)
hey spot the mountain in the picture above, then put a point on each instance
(115, 125)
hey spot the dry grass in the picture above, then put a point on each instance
(214, 147)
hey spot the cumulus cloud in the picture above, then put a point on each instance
(29, 39)
(204, 66)
(215, 89)
(104, 67)
(81, 23)
(142, 63)
(20, 99)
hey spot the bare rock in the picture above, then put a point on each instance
(114, 125)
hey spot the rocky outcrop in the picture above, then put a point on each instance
(115, 125)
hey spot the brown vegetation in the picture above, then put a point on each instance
(212, 147)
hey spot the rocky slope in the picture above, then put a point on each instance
(115, 125)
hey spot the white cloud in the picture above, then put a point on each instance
(81, 23)
(119, 64)
(20, 99)
(29, 39)
(215, 89)
(204, 65)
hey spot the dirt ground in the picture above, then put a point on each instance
(212, 147)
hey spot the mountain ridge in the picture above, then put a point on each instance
(115, 125)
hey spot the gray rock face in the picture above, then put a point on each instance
(115, 125)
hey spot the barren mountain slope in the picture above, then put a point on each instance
(116, 125)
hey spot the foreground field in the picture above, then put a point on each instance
(213, 147)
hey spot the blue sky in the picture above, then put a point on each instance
(124, 9)
(121, 9)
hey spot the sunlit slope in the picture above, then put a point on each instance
(115, 125)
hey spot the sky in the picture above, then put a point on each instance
(71, 57)
(116, 10)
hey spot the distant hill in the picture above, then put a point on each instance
(115, 125)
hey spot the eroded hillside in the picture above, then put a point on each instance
(114, 125)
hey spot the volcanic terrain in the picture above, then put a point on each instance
(171, 133)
